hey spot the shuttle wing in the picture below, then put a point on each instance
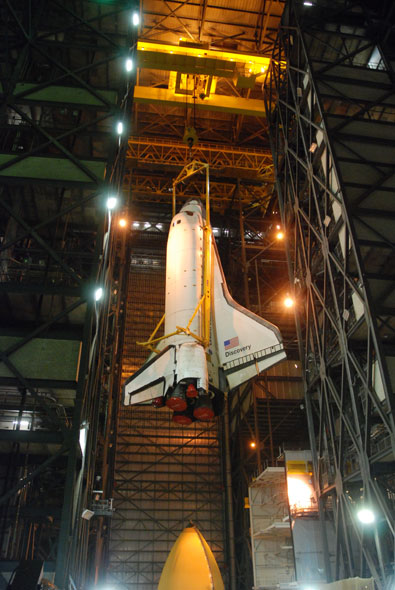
(246, 343)
(152, 380)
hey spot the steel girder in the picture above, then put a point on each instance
(148, 151)
(146, 186)
(63, 87)
(331, 139)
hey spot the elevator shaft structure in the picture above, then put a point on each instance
(331, 104)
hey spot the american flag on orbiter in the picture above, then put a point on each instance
(231, 343)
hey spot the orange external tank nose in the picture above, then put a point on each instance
(191, 564)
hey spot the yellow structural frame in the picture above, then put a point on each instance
(245, 70)
(190, 169)
(253, 107)
(226, 60)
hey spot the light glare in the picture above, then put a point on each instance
(119, 127)
(111, 202)
(83, 438)
(98, 294)
(136, 19)
(252, 445)
(366, 516)
(129, 65)
(280, 235)
(288, 302)
(23, 424)
(300, 494)
(122, 222)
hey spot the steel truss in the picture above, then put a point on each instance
(257, 162)
(173, 21)
(145, 187)
(170, 122)
(62, 90)
(332, 126)
(249, 172)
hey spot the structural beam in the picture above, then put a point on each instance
(225, 159)
(215, 102)
(187, 58)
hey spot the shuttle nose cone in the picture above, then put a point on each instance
(191, 564)
(194, 205)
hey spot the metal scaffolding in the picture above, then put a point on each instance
(165, 475)
(332, 126)
(63, 88)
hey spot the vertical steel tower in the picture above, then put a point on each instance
(331, 101)
(64, 86)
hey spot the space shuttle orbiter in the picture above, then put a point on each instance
(211, 344)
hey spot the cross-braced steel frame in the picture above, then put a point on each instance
(165, 477)
(332, 126)
(63, 88)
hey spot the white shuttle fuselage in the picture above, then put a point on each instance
(211, 344)
(184, 290)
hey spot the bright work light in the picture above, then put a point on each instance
(111, 202)
(366, 516)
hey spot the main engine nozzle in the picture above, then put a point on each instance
(176, 399)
